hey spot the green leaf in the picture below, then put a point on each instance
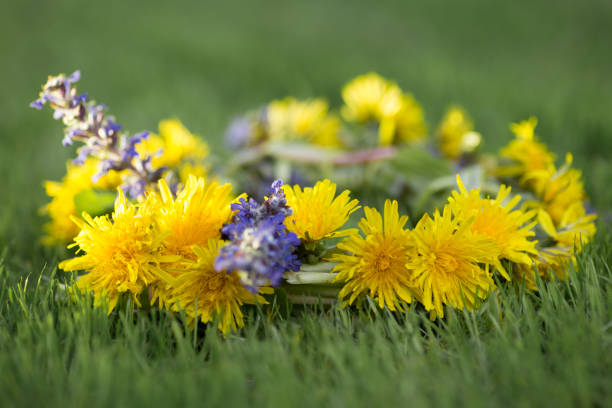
(95, 202)
(415, 161)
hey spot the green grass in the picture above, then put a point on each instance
(207, 62)
(518, 349)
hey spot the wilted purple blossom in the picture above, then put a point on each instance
(247, 130)
(238, 133)
(261, 247)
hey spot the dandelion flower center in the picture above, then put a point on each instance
(382, 264)
(445, 263)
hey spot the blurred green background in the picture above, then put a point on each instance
(205, 62)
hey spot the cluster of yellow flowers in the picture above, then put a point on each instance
(371, 97)
(370, 101)
(308, 120)
(448, 259)
(559, 202)
(165, 247)
(168, 245)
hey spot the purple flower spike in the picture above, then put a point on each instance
(238, 133)
(261, 248)
(88, 123)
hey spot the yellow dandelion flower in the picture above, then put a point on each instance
(549, 263)
(528, 154)
(375, 264)
(317, 212)
(174, 145)
(511, 230)
(372, 98)
(180, 143)
(122, 253)
(456, 135)
(206, 294)
(309, 120)
(576, 227)
(525, 130)
(525, 274)
(191, 169)
(409, 121)
(558, 190)
(575, 230)
(195, 216)
(60, 229)
(448, 265)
